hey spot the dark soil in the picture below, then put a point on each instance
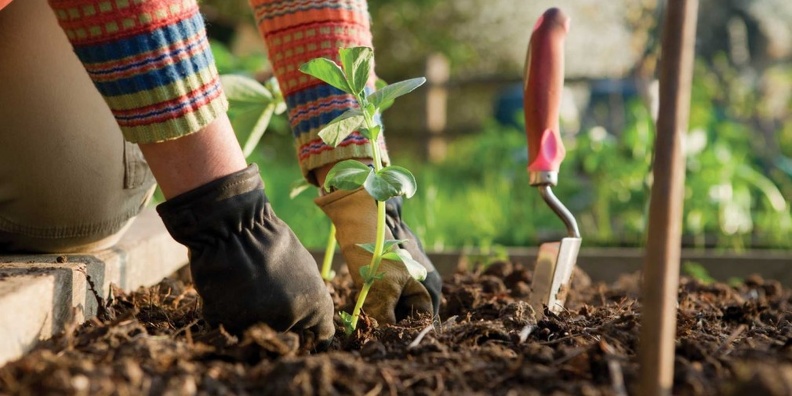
(730, 340)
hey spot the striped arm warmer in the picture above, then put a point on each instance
(295, 32)
(150, 60)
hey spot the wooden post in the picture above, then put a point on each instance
(437, 74)
(661, 265)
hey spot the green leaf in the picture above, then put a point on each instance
(327, 71)
(416, 270)
(380, 189)
(379, 84)
(244, 92)
(357, 66)
(337, 130)
(249, 126)
(365, 272)
(765, 185)
(347, 175)
(373, 133)
(274, 88)
(393, 91)
(257, 131)
(347, 320)
(389, 182)
(386, 247)
(297, 187)
(391, 256)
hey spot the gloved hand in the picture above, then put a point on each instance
(247, 265)
(397, 294)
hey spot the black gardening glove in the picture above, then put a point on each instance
(247, 265)
(400, 230)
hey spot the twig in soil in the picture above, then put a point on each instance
(725, 348)
(187, 332)
(375, 390)
(557, 340)
(575, 353)
(615, 369)
(420, 336)
(448, 323)
(525, 332)
(388, 378)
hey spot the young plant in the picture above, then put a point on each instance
(297, 187)
(251, 107)
(381, 182)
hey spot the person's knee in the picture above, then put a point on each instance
(67, 178)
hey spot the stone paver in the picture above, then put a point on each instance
(39, 294)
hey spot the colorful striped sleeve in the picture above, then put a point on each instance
(150, 60)
(296, 31)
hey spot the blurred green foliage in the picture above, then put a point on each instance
(735, 195)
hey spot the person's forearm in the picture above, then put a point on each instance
(151, 61)
(183, 164)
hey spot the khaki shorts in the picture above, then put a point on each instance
(68, 180)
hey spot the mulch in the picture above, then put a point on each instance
(731, 340)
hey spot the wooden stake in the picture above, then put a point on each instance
(438, 71)
(661, 265)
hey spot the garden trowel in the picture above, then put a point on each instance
(544, 81)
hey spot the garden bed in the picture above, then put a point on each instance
(730, 340)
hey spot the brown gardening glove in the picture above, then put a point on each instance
(246, 263)
(397, 295)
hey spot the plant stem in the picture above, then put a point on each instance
(379, 242)
(329, 252)
(258, 130)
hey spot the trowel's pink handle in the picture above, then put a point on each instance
(544, 80)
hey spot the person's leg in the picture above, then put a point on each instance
(296, 32)
(151, 62)
(68, 181)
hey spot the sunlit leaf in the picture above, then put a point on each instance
(379, 188)
(384, 105)
(357, 66)
(347, 320)
(297, 187)
(274, 88)
(347, 175)
(371, 133)
(250, 125)
(327, 71)
(337, 130)
(386, 247)
(257, 131)
(391, 256)
(416, 270)
(393, 91)
(390, 182)
(244, 92)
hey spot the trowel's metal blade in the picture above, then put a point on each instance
(554, 265)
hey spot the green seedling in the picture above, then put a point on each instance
(251, 107)
(297, 187)
(381, 182)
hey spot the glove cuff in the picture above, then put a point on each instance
(225, 201)
(354, 213)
